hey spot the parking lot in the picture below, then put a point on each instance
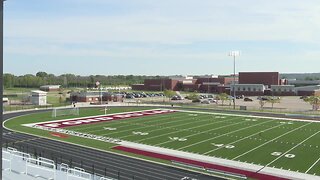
(287, 103)
(291, 103)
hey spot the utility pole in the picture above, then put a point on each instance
(1, 82)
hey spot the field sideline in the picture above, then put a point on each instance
(270, 142)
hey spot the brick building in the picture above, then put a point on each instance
(247, 83)
(265, 78)
(95, 96)
(308, 90)
(205, 84)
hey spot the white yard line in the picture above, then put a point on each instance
(144, 126)
(243, 138)
(129, 123)
(179, 130)
(239, 115)
(220, 135)
(292, 148)
(270, 141)
(175, 121)
(203, 132)
(312, 165)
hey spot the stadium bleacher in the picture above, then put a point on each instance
(19, 165)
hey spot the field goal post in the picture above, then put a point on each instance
(65, 111)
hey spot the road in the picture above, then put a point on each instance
(94, 161)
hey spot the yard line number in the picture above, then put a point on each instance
(177, 139)
(285, 122)
(227, 146)
(286, 155)
(140, 133)
(251, 120)
(109, 128)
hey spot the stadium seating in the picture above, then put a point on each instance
(19, 165)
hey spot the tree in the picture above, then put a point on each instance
(262, 103)
(169, 93)
(9, 80)
(314, 101)
(273, 100)
(41, 74)
(222, 97)
(193, 96)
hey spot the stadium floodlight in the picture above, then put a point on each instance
(100, 93)
(234, 54)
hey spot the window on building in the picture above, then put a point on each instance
(249, 89)
(244, 89)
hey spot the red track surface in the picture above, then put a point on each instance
(60, 135)
(199, 163)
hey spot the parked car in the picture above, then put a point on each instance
(247, 99)
(176, 98)
(205, 101)
(128, 96)
(303, 97)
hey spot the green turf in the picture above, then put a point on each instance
(253, 141)
(238, 138)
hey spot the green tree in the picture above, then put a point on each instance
(9, 80)
(193, 96)
(222, 97)
(41, 74)
(314, 101)
(169, 93)
(308, 78)
(273, 100)
(262, 103)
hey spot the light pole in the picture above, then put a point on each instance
(1, 71)
(234, 54)
(100, 93)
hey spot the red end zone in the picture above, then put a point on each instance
(104, 118)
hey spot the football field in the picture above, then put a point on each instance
(278, 143)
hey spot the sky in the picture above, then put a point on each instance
(160, 37)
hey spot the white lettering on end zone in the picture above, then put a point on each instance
(97, 119)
